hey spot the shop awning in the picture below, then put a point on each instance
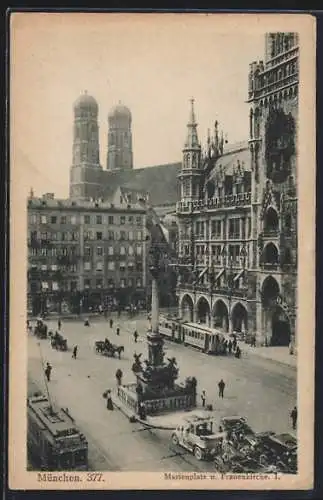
(238, 276)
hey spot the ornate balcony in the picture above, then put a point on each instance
(228, 201)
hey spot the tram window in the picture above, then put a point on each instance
(66, 461)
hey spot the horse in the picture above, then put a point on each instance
(117, 349)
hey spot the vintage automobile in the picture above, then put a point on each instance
(237, 428)
(198, 435)
(279, 450)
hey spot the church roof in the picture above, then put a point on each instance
(86, 101)
(120, 110)
(159, 181)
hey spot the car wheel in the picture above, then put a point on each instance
(198, 453)
(175, 439)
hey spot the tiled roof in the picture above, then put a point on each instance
(159, 181)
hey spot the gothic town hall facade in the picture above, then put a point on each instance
(237, 213)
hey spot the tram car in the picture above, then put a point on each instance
(54, 442)
(170, 328)
(205, 339)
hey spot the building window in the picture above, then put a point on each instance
(111, 283)
(139, 250)
(110, 219)
(54, 267)
(122, 251)
(138, 220)
(99, 251)
(73, 286)
(130, 219)
(123, 235)
(87, 251)
(54, 252)
(53, 220)
(110, 250)
(44, 285)
(99, 282)
(139, 267)
(139, 235)
(110, 235)
(73, 268)
(130, 282)
(55, 286)
(138, 282)
(64, 236)
(87, 266)
(87, 219)
(216, 229)
(122, 283)
(122, 266)
(87, 283)
(122, 220)
(43, 267)
(99, 266)
(64, 251)
(73, 219)
(43, 219)
(99, 235)
(130, 235)
(43, 252)
(111, 266)
(75, 236)
(63, 219)
(234, 228)
(130, 250)
(99, 219)
(33, 219)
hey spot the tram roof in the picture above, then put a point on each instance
(204, 328)
(58, 423)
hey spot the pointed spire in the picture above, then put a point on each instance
(31, 193)
(192, 137)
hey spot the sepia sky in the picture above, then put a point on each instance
(154, 65)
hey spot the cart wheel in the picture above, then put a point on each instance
(175, 439)
(198, 453)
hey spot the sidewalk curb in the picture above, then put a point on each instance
(273, 360)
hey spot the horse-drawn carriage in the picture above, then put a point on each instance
(106, 348)
(58, 342)
(41, 329)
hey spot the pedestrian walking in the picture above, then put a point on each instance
(59, 323)
(230, 346)
(203, 397)
(234, 344)
(87, 322)
(293, 416)
(48, 371)
(238, 352)
(75, 352)
(111, 323)
(135, 336)
(253, 341)
(119, 376)
(221, 386)
(118, 331)
(109, 401)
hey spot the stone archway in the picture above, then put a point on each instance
(280, 324)
(239, 317)
(276, 324)
(269, 291)
(221, 316)
(187, 308)
(203, 311)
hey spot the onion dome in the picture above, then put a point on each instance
(119, 111)
(86, 102)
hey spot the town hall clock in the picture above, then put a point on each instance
(280, 145)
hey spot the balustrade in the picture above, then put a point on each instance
(231, 200)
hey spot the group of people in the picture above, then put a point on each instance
(221, 387)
